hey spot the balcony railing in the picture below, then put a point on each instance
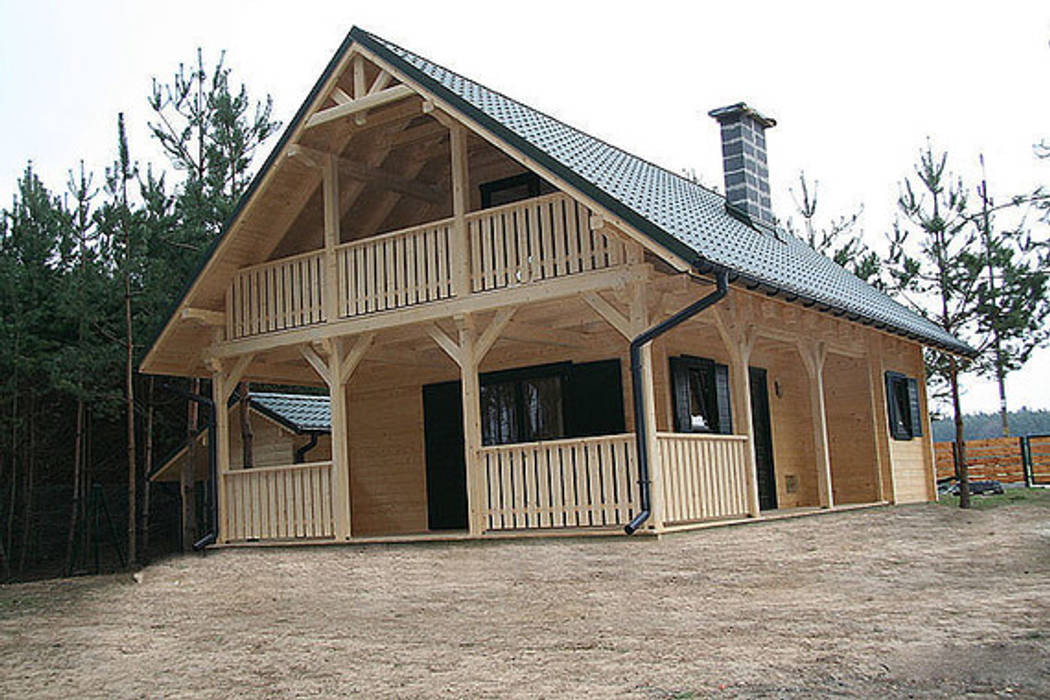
(517, 244)
(275, 296)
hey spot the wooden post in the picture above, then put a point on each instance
(460, 204)
(340, 442)
(929, 457)
(880, 419)
(471, 394)
(740, 379)
(330, 187)
(638, 322)
(222, 445)
(813, 358)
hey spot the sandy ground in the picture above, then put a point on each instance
(920, 600)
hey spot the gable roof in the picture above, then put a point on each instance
(301, 413)
(687, 220)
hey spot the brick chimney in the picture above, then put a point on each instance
(744, 160)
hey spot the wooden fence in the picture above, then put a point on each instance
(1010, 460)
(288, 502)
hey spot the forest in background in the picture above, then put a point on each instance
(981, 426)
(90, 268)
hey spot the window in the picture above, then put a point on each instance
(903, 406)
(523, 405)
(701, 396)
(512, 189)
(549, 402)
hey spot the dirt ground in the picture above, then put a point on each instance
(908, 601)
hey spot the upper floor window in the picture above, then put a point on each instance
(513, 189)
(903, 406)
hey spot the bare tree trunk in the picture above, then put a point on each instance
(12, 501)
(187, 478)
(129, 389)
(1000, 376)
(78, 454)
(960, 442)
(146, 484)
(247, 436)
(27, 499)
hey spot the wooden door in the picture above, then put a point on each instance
(767, 482)
(446, 468)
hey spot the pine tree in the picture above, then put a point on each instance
(836, 239)
(928, 270)
(1012, 306)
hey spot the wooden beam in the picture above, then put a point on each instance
(446, 343)
(371, 174)
(531, 333)
(236, 373)
(460, 204)
(492, 332)
(610, 313)
(381, 81)
(471, 395)
(361, 104)
(330, 185)
(205, 317)
(360, 90)
(547, 290)
(319, 365)
(339, 96)
(337, 408)
(355, 355)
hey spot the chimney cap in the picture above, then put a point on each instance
(725, 113)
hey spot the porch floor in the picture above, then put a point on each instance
(463, 535)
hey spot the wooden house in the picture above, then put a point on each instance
(285, 428)
(526, 330)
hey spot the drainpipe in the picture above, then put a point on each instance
(213, 462)
(641, 437)
(300, 454)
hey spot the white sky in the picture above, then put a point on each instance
(856, 87)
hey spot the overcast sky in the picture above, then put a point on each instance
(856, 87)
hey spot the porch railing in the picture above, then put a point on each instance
(537, 239)
(583, 482)
(704, 476)
(276, 296)
(273, 503)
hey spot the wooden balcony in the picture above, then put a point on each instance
(519, 244)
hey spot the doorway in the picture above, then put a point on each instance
(762, 428)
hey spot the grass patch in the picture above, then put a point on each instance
(1036, 497)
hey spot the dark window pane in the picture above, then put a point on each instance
(902, 414)
(542, 397)
(701, 408)
(499, 415)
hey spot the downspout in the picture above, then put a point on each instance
(638, 395)
(213, 462)
(300, 454)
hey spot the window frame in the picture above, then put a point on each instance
(533, 183)
(903, 406)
